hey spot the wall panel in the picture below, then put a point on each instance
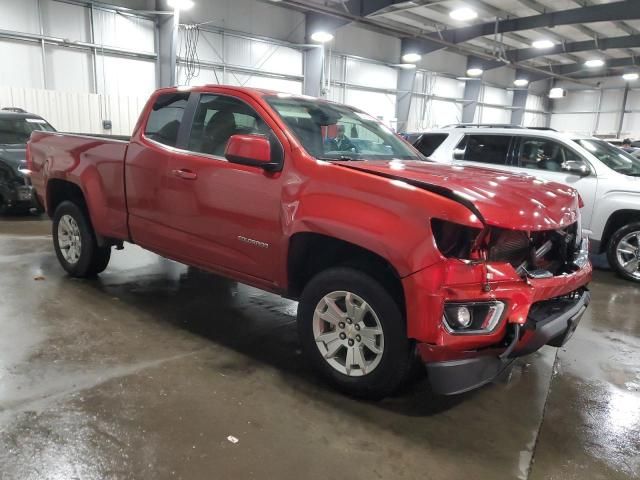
(20, 64)
(20, 16)
(64, 20)
(69, 69)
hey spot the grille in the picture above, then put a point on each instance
(550, 251)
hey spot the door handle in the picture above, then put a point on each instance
(185, 174)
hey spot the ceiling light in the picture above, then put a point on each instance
(557, 92)
(180, 4)
(594, 63)
(475, 72)
(541, 44)
(521, 82)
(629, 77)
(411, 57)
(321, 37)
(463, 14)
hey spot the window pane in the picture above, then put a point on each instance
(166, 117)
(430, 142)
(336, 132)
(543, 154)
(217, 118)
(487, 148)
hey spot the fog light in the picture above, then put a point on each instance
(472, 317)
(463, 316)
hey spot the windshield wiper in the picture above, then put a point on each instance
(341, 158)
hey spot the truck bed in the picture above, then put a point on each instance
(95, 164)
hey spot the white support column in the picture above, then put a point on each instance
(406, 80)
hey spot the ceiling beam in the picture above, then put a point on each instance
(577, 68)
(523, 54)
(626, 9)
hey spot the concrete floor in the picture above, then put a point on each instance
(145, 372)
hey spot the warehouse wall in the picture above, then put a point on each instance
(242, 42)
(598, 110)
(75, 87)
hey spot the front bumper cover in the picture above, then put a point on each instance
(458, 376)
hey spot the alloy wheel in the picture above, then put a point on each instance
(348, 333)
(69, 239)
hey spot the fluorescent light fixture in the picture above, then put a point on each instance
(475, 72)
(630, 77)
(321, 37)
(411, 57)
(180, 4)
(463, 14)
(594, 63)
(557, 92)
(542, 44)
(521, 82)
(407, 66)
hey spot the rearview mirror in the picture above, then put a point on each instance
(458, 154)
(576, 167)
(253, 150)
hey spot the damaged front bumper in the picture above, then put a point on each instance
(459, 376)
(537, 312)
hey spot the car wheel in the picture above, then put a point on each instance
(353, 333)
(75, 242)
(623, 251)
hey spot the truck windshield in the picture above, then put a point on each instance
(17, 130)
(329, 131)
(613, 157)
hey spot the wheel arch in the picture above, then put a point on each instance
(617, 220)
(310, 253)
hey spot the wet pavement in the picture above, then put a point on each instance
(147, 371)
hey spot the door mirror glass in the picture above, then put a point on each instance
(458, 154)
(250, 149)
(576, 167)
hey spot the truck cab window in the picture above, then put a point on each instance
(219, 117)
(166, 117)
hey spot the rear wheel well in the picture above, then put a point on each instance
(617, 220)
(311, 253)
(60, 190)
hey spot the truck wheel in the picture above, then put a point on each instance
(353, 333)
(623, 251)
(75, 242)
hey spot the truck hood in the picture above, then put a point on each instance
(502, 199)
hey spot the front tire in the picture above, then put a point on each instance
(75, 242)
(623, 251)
(353, 333)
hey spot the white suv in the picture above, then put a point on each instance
(607, 178)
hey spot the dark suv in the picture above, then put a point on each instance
(16, 193)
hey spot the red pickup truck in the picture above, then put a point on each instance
(392, 258)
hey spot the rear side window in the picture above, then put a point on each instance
(429, 142)
(166, 117)
(492, 149)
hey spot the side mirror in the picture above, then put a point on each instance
(253, 150)
(576, 167)
(458, 154)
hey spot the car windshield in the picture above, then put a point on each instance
(329, 131)
(613, 157)
(16, 131)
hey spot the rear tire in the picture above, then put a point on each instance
(349, 352)
(623, 251)
(75, 242)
